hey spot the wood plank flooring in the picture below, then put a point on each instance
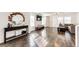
(48, 37)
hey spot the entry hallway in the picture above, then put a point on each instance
(47, 37)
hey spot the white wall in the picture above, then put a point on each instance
(44, 21)
(4, 22)
(38, 23)
(27, 17)
(74, 19)
(77, 21)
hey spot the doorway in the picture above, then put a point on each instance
(32, 23)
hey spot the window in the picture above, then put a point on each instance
(67, 20)
(64, 20)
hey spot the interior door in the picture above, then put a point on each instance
(32, 23)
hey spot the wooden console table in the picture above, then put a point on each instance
(12, 29)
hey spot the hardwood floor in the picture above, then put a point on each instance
(48, 37)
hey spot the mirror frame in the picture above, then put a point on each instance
(15, 13)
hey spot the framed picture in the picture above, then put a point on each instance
(39, 18)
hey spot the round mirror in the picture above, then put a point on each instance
(17, 18)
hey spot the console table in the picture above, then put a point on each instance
(12, 29)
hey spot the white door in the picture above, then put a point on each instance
(32, 23)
